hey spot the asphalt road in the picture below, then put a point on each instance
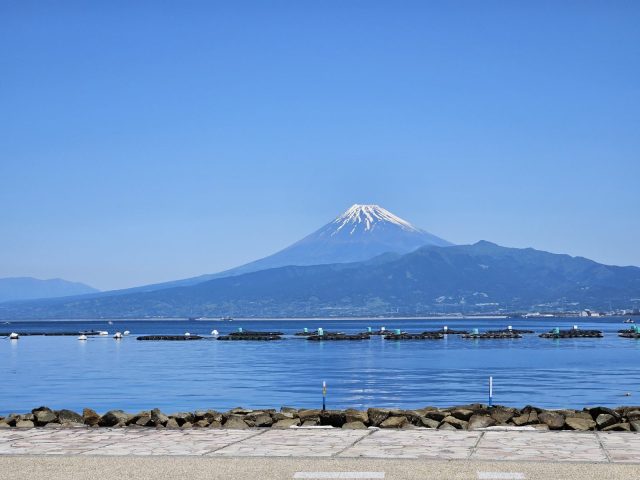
(200, 468)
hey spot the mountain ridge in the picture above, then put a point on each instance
(28, 288)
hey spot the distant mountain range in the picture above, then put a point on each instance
(25, 288)
(367, 262)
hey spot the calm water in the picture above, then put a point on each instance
(102, 373)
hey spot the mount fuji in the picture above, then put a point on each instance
(360, 233)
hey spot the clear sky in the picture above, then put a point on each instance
(150, 141)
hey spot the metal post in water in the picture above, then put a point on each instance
(324, 395)
(320, 332)
(490, 391)
(305, 330)
(369, 329)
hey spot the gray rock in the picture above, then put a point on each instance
(553, 419)
(356, 416)
(235, 422)
(462, 414)
(502, 415)
(305, 415)
(158, 418)
(437, 415)
(201, 423)
(356, 425)
(183, 417)
(263, 420)
(394, 422)
(334, 418)
(286, 423)
(480, 421)
(25, 424)
(53, 425)
(596, 411)
(377, 416)
(635, 425)
(144, 421)
(113, 418)
(4, 424)
(455, 422)
(580, 423)
(605, 420)
(446, 426)
(618, 427)
(69, 416)
(429, 423)
(311, 423)
(172, 423)
(45, 416)
(186, 425)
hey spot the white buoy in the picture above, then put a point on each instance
(117, 336)
(215, 333)
(110, 322)
(103, 332)
(575, 327)
(187, 334)
(445, 328)
(14, 336)
(82, 337)
(126, 332)
(509, 327)
(382, 329)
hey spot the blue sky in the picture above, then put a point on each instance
(149, 141)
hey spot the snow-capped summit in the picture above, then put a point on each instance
(360, 233)
(367, 218)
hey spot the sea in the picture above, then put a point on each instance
(104, 374)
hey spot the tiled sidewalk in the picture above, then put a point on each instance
(616, 447)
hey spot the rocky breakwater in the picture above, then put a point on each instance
(463, 417)
(500, 334)
(326, 336)
(414, 336)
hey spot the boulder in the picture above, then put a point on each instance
(41, 409)
(286, 423)
(113, 418)
(69, 416)
(42, 417)
(502, 415)
(24, 424)
(213, 416)
(580, 423)
(215, 424)
(455, 422)
(240, 411)
(446, 426)
(310, 423)
(356, 416)
(618, 427)
(183, 417)
(428, 422)
(462, 414)
(290, 410)
(143, 421)
(201, 423)
(394, 422)
(235, 422)
(553, 419)
(262, 420)
(377, 416)
(186, 425)
(4, 424)
(480, 421)
(158, 418)
(595, 411)
(172, 423)
(635, 425)
(437, 415)
(305, 415)
(633, 415)
(283, 415)
(605, 420)
(355, 425)
(334, 418)
(90, 417)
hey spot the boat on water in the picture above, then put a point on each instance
(226, 319)
(629, 320)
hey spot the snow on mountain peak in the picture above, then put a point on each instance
(367, 217)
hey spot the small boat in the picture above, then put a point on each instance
(226, 319)
(14, 336)
(126, 332)
(629, 320)
(110, 322)
(82, 337)
(117, 336)
(103, 332)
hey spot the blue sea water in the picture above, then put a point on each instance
(102, 373)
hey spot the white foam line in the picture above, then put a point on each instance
(500, 476)
(323, 475)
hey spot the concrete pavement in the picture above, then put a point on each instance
(86, 453)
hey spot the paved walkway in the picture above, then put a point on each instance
(521, 446)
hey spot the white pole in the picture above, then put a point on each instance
(490, 391)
